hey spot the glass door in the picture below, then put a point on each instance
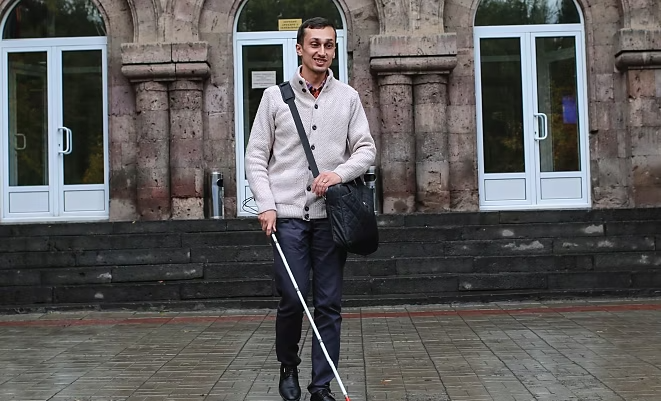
(27, 151)
(81, 138)
(263, 59)
(532, 137)
(262, 63)
(55, 135)
(559, 120)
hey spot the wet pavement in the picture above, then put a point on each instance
(590, 350)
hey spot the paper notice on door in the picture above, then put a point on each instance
(262, 79)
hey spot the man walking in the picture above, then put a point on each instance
(290, 200)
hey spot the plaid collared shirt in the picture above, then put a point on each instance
(316, 91)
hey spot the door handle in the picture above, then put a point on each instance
(25, 141)
(69, 147)
(545, 126)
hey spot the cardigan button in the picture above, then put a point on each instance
(300, 82)
(314, 127)
(312, 147)
(306, 217)
(307, 208)
(309, 188)
(316, 106)
(304, 90)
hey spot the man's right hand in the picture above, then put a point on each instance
(267, 220)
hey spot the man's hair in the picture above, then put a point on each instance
(313, 23)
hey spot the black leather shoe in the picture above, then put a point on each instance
(322, 395)
(289, 388)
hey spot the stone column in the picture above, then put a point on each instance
(431, 143)
(397, 143)
(414, 154)
(186, 150)
(153, 170)
(639, 57)
(168, 79)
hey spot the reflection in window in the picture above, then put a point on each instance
(557, 91)
(54, 19)
(263, 15)
(526, 12)
(502, 105)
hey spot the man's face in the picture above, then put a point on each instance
(318, 49)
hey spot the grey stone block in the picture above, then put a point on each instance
(627, 261)
(116, 242)
(30, 230)
(21, 296)
(592, 280)
(419, 234)
(648, 279)
(22, 260)
(499, 282)
(504, 264)
(186, 271)
(133, 257)
(76, 276)
(259, 270)
(539, 246)
(24, 244)
(414, 285)
(439, 265)
(239, 238)
(451, 219)
(406, 250)
(602, 245)
(115, 293)
(537, 230)
(224, 254)
(369, 268)
(227, 289)
(621, 228)
(544, 216)
(20, 277)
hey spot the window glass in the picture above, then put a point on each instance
(263, 15)
(526, 12)
(54, 19)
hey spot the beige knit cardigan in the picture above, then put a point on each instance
(339, 135)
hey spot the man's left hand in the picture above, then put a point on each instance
(323, 181)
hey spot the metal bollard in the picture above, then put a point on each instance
(370, 180)
(216, 196)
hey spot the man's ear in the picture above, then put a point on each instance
(299, 49)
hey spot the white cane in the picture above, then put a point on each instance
(307, 312)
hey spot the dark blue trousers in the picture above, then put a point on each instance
(309, 247)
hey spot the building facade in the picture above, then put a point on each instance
(116, 109)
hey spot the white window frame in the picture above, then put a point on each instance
(532, 174)
(54, 48)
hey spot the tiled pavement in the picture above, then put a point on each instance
(591, 350)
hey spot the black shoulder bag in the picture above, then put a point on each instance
(349, 206)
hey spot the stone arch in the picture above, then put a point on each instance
(402, 16)
(181, 20)
(117, 15)
(146, 14)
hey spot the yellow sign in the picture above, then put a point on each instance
(289, 24)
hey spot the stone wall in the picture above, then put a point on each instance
(172, 101)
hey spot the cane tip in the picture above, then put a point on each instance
(347, 398)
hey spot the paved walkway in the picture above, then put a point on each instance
(586, 350)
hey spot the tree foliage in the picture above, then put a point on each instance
(526, 12)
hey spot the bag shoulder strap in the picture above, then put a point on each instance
(289, 98)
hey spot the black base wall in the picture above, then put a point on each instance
(422, 259)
